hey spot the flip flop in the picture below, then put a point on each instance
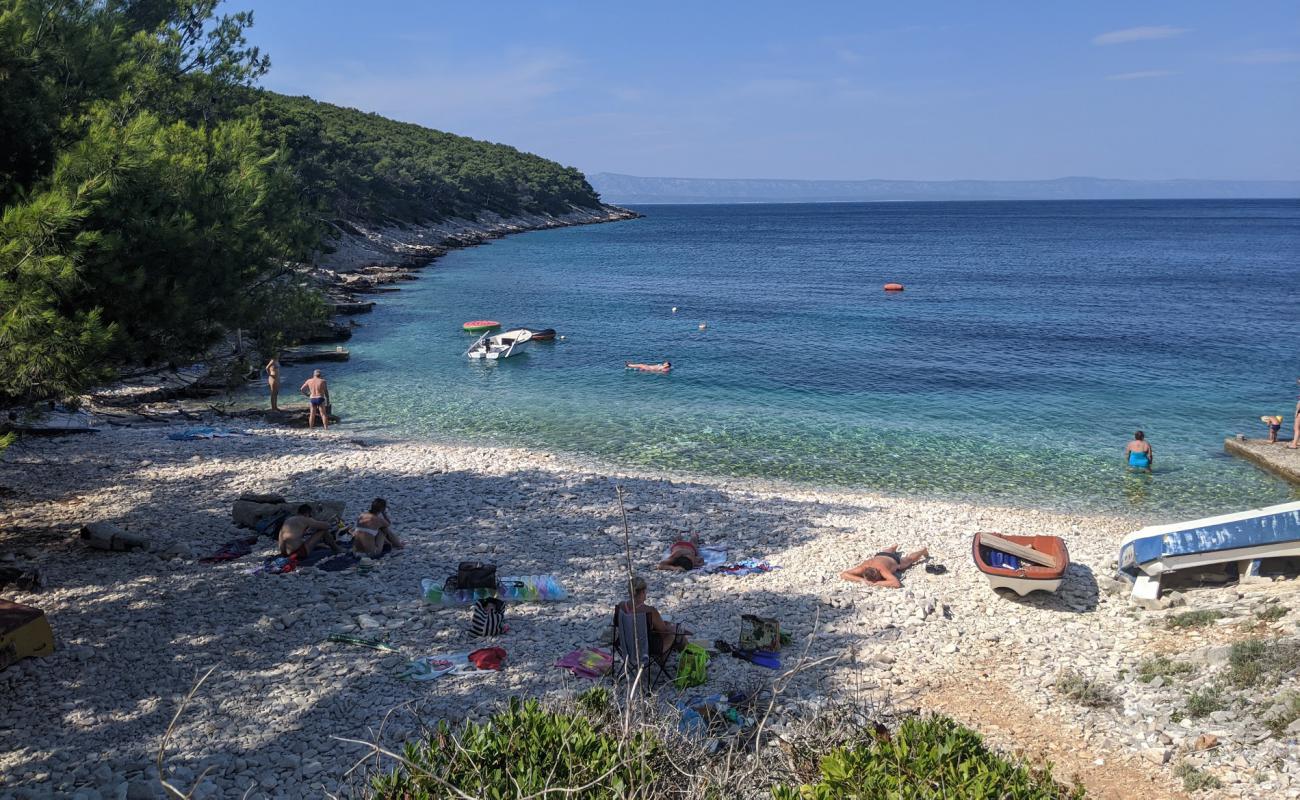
(935, 569)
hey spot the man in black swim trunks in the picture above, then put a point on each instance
(318, 397)
(882, 569)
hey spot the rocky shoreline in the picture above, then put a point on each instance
(136, 629)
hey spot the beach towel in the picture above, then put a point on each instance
(236, 548)
(194, 434)
(278, 565)
(590, 663)
(430, 668)
(713, 556)
(373, 644)
(749, 566)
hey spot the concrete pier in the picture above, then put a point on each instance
(1276, 458)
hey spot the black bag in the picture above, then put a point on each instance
(473, 575)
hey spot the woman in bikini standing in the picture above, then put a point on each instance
(272, 370)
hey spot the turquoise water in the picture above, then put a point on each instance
(1033, 338)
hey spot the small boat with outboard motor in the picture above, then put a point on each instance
(494, 346)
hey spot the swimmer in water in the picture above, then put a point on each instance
(664, 367)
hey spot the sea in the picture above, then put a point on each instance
(1032, 339)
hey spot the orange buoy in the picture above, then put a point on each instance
(893, 287)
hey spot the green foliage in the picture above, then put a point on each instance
(362, 166)
(1084, 690)
(1204, 702)
(1192, 619)
(1261, 662)
(522, 750)
(927, 759)
(1195, 779)
(1271, 614)
(1162, 666)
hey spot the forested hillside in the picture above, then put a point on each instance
(367, 167)
(154, 199)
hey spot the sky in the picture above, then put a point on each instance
(820, 90)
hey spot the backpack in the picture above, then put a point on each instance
(473, 575)
(692, 667)
(488, 617)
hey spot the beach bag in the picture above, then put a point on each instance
(692, 667)
(760, 633)
(473, 575)
(488, 617)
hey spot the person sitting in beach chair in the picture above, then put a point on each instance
(664, 637)
(373, 534)
(683, 556)
(300, 534)
(882, 569)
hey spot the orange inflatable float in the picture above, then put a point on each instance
(893, 287)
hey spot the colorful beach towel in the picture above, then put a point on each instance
(749, 566)
(588, 662)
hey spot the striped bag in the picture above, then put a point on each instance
(488, 617)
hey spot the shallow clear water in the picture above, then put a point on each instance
(1032, 339)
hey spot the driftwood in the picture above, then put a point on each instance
(107, 536)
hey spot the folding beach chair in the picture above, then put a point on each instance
(632, 649)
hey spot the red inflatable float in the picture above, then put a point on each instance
(893, 287)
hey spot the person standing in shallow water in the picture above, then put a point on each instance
(318, 399)
(1139, 453)
(272, 370)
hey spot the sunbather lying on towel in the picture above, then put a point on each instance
(683, 556)
(373, 534)
(300, 534)
(882, 569)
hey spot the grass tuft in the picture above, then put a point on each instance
(1272, 613)
(1163, 667)
(1262, 662)
(1203, 703)
(1192, 619)
(1278, 723)
(1194, 778)
(1084, 690)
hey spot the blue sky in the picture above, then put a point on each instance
(926, 91)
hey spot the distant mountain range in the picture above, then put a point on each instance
(631, 190)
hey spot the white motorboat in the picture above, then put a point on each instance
(1244, 538)
(493, 346)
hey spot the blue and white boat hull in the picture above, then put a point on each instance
(1243, 538)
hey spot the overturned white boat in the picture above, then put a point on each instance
(1244, 538)
(493, 346)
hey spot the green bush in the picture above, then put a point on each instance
(523, 750)
(927, 759)
(1278, 723)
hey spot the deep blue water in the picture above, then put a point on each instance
(1032, 339)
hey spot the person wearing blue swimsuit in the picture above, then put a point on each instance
(1139, 453)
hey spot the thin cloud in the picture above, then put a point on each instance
(1267, 57)
(1139, 34)
(1142, 74)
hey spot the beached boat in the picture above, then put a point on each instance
(1022, 564)
(1243, 538)
(499, 345)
